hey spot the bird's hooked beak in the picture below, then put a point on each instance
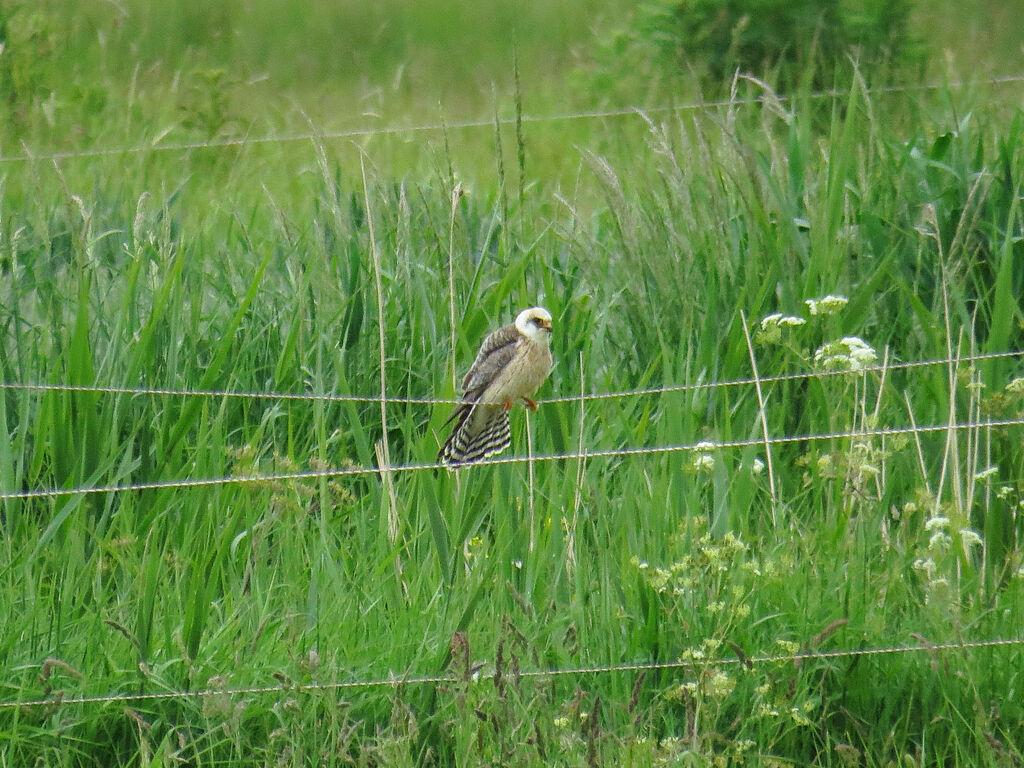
(544, 323)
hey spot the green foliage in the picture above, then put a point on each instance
(39, 94)
(206, 106)
(667, 41)
(836, 251)
(27, 44)
(813, 238)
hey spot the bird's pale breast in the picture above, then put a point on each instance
(522, 376)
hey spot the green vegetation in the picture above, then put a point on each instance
(679, 248)
(809, 41)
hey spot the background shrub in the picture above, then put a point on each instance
(785, 39)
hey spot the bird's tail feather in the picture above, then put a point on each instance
(474, 439)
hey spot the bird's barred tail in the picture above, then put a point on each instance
(471, 441)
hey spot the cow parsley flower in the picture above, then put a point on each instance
(827, 305)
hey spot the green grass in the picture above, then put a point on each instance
(250, 269)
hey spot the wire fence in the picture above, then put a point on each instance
(394, 681)
(156, 145)
(621, 452)
(703, 446)
(586, 397)
(59, 700)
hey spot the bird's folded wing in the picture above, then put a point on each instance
(496, 352)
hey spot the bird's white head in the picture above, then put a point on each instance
(535, 324)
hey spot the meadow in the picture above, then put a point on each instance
(769, 512)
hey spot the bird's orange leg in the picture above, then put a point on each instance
(507, 405)
(530, 403)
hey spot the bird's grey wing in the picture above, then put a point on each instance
(495, 353)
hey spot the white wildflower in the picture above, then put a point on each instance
(860, 350)
(733, 543)
(849, 353)
(772, 325)
(704, 462)
(1016, 386)
(827, 305)
(671, 746)
(710, 645)
(986, 473)
(788, 646)
(926, 566)
(798, 716)
(743, 745)
(939, 542)
(869, 469)
(681, 691)
(970, 538)
(720, 685)
(751, 566)
(658, 579)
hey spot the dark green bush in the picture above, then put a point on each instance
(27, 42)
(787, 40)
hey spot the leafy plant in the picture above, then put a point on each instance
(206, 105)
(787, 40)
(28, 43)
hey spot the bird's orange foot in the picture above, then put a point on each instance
(507, 405)
(530, 403)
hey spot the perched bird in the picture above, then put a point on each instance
(511, 365)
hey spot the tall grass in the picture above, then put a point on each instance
(250, 269)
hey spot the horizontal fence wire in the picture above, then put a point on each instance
(702, 446)
(587, 397)
(391, 130)
(394, 682)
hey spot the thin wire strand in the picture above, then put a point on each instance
(333, 398)
(783, 377)
(924, 646)
(702, 446)
(241, 141)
